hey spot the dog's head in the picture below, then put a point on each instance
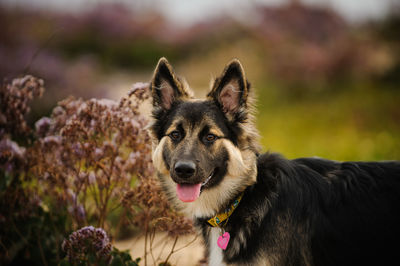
(204, 150)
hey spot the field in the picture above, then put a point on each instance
(77, 184)
(356, 123)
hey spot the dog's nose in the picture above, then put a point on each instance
(185, 169)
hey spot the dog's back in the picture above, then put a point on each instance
(317, 212)
(358, 217)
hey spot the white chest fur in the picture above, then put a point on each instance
(216, 256)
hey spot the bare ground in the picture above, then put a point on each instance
(188, 250)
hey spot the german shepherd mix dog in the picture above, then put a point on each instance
(262, 209)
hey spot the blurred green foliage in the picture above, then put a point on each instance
(127, 54)
(354, 122)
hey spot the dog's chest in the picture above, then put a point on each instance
(216, 253)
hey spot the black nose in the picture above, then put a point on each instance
(185, 169)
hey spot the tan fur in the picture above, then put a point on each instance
(158, 161)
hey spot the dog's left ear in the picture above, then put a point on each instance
(230, 90)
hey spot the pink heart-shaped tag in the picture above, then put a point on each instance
(223, 240)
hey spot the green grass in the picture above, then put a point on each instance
(359, 122)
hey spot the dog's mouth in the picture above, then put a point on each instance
(208, 179)
(190, 192)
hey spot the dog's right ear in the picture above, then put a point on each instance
(166, 88)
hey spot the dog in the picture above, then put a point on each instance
(262, 209)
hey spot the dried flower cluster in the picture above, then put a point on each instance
(14, 104)
(85, 242)
(11, 155)
(18, 202)
(89, 153)
(89, 159)
(150, 209)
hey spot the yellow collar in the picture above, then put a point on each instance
(217, 220)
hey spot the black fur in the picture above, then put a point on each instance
(318, 212)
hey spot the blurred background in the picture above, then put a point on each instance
(326, 72)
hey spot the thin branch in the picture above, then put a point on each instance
(145, 239)
(152, 236)
(188, 244)
(41, 250)
(7, 255)
(172, 250)
(37, 52)
(162, 249)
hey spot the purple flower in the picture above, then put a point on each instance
(98, 154)
(71, 194)
(58, 111)
(52, 140)
(92, 178)
(87, 240)
(11, 147)
(42, 126)
(93, 123)
(80, 212)
(138, 88)
(77, 148)
(105, 102)
(82, 175)
(133, 156)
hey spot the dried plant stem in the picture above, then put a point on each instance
(188, 244)
(19, 233)
(42, 46)
(117, 206)
(146, 232)
(162, 249)
(92, 189)
(162, 240)
(7, 255)
(152, 236)
(103, 212)
(172, 250)
(58, 241)
(41, 250)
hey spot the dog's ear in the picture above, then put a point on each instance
(230, 90)
(166, 88)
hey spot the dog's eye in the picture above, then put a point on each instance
(210, 138)
(175, 135)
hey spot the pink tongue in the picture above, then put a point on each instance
(188, 193)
